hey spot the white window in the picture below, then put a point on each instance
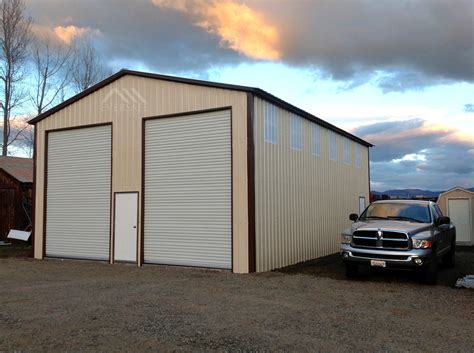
(296, 142)
(315, 140)
(270, 130)
(358, 156)
(332, 146)
(347, 151)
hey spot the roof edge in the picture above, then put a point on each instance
(455, 188)
(2, 170)
(256, 91)
(298, 111)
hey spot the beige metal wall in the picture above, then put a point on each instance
(302, 201)
(125, 102)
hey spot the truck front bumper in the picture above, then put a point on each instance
(414, 258)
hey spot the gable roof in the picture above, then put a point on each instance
(255, 91)
(19, 168)
(456, 188)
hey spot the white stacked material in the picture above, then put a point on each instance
(465, 282)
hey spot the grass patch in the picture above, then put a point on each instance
(15, 250)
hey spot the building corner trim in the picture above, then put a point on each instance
(251, 183)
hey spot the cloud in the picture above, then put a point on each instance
(69, 33)
(415, 42)
(469, 108)
(403, 44)
(63, 34)
(140, 35)
(238, 26)
(418, 154)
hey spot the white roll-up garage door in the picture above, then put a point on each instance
(188, 197)
(78, 193)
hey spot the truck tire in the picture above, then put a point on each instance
(430, 273)
(352, 270)
(449, 260)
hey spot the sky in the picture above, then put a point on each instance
(399, 74)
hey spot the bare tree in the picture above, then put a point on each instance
(22, 133)
(51, 75)
(27, 137)
(88, 66)
(14, 40)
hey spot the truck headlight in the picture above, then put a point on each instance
(421, 244)
(346, 239)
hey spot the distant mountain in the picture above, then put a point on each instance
(410, 193)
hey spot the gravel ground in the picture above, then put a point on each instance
(56, 305)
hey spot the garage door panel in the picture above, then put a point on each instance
(78, 193)
(188, 181)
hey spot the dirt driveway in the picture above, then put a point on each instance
(58, 305)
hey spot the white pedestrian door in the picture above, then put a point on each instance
(125, 227)
(458, 210)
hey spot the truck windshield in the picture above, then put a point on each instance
(398, 211)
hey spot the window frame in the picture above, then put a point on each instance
(296, 133)
(358, 156)
(315, 142)
(332, 148)
(346, 151)
(270, 124)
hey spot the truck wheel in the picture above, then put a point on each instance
(430, 273)
(449, 260)
(351, 270)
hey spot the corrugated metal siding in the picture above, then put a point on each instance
(302, 200)
(78, 193)
(188, 190)
(151, 97)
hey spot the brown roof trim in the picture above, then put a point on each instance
(256, 91)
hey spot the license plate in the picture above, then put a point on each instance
(377, 263)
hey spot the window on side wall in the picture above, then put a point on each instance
(332, 146)
(315, 140)
(358, 156)
(270, 129)
(296, 142)
(347, 151)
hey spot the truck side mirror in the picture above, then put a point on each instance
(353, 217)
(443, 220)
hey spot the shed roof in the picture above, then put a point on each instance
(19, 168)
(256, 91)
(457, 188)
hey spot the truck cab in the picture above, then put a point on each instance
(403, 234)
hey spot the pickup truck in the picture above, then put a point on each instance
(401, 234)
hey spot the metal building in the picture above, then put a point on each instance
(148, 168)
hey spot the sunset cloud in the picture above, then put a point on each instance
(69, 33)
(238, 26)
(63, 34)
(415, 153)
(439, 133)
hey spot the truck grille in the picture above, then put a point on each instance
(379, 256)
(388, 240)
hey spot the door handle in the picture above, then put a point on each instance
(134, 227)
